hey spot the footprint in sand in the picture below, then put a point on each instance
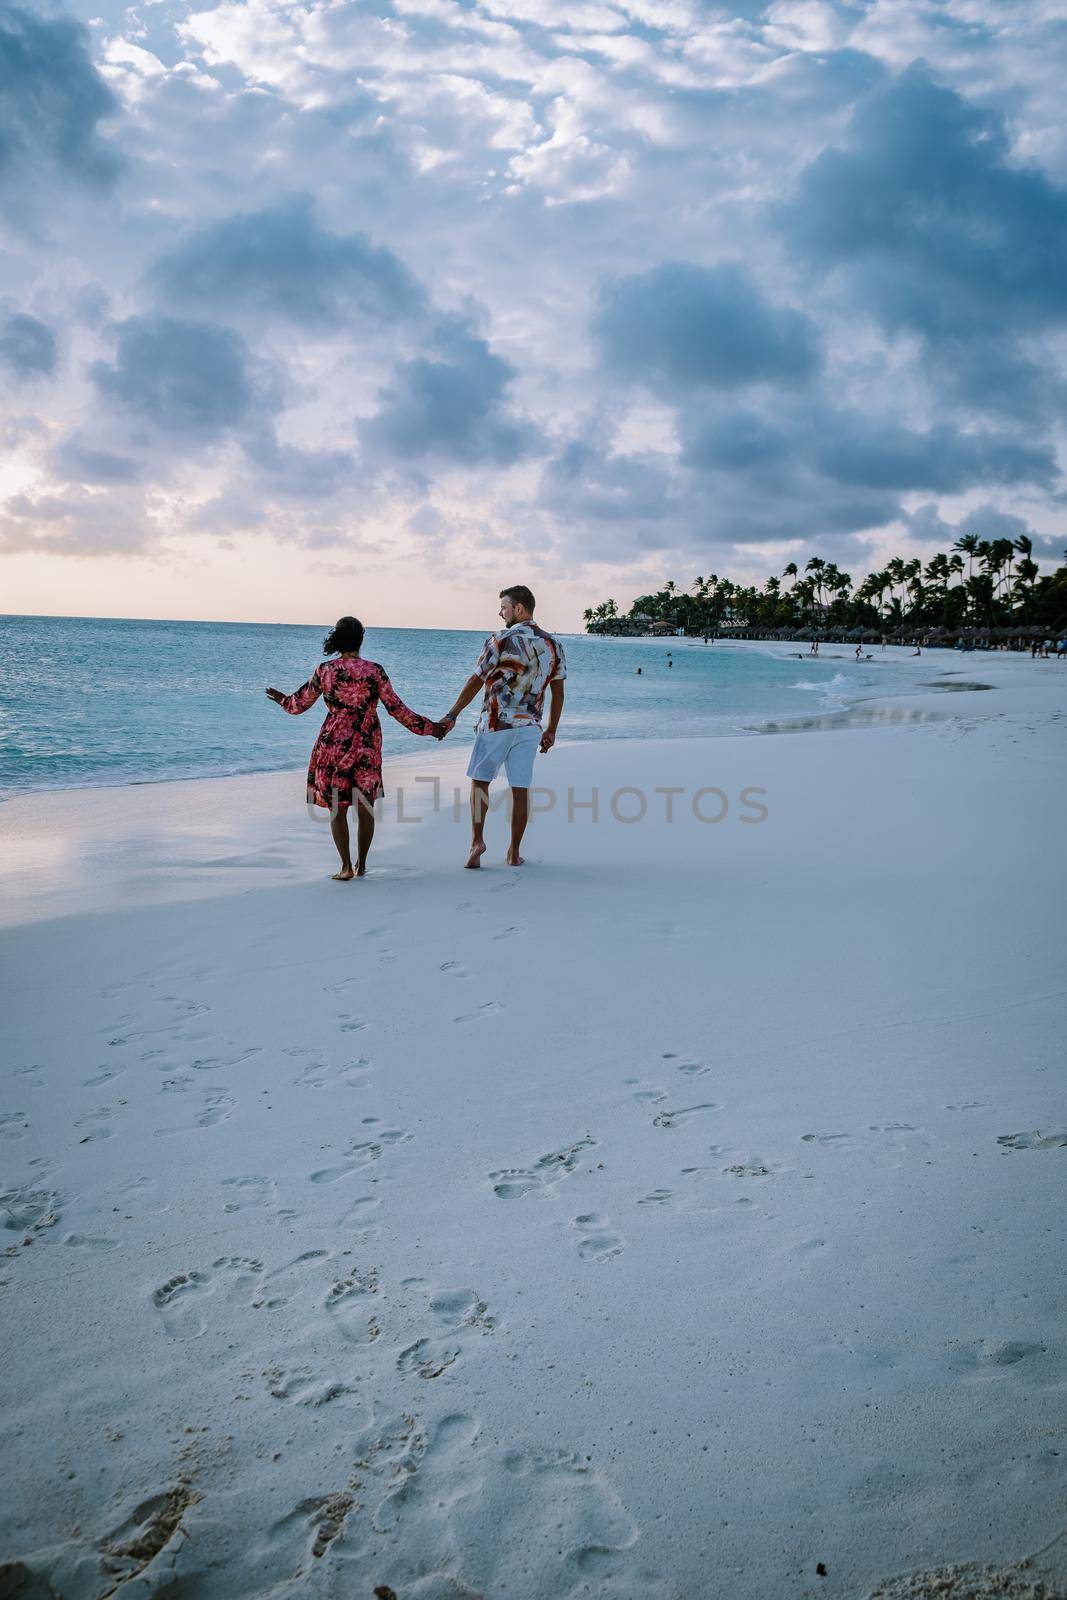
(14, 1125)
(598, 1243)
(459, 1314)
(33, 1075)
(508, 933)
(455, 969)
(102, 1075)
(656, 1197)
(211, 1063)
(250, 1190)
(337, 988)
(672, 1119)
(435, 1492)
(511, 1183)
(92, 1243)
(29, 1211)
(362, 1155)
(969, 1105)
(317, 1074)
(217, 1106)
(693, 1069)
(289, 1281)
(358, 1221)
(990, 1354)
(885, 1143)
(97, 1125)
(348, 1303)
(141, 1195)
(349, 1024)
(462, 1308)
(649, 1095)
(1053, 1140)
(304, 1387)
(491, 1008)
(181, 1300)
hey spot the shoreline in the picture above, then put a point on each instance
(799, 721)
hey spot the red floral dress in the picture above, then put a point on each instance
(348, 750)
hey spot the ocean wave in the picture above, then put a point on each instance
(835, 692)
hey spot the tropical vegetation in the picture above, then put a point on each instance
(980, 584)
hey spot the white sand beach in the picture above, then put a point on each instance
(680, 1216)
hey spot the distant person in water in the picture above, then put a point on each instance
(639, 672)
(346, 762)
(514, 670)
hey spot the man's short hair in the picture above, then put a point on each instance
(520, 595)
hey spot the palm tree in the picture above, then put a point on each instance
(791, 572)
(968, 543)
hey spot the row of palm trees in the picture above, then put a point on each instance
(1006, 590)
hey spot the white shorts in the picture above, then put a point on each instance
(511, 748)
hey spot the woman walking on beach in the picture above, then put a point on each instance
(346, 762)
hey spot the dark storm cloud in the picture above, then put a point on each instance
(951, 235)
(867, 450)
(52, 98)
(27, 347)
(188, 378)
(880, 452)
(453, 406)
(283, 261)
(585, 481)
(942, 233)
(683, 325)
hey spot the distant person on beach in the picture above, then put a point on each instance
(814, 648)
(639, 672)
(346, 762)
(515, 668)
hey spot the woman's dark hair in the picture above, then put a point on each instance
(346, 634)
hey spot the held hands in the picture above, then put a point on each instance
(442, 729)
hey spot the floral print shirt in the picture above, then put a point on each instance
(517, 666)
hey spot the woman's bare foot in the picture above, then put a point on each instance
(513, 859)
(361, 869)
(477, 852)
(344, 875)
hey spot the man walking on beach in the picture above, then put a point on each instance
(514, 669)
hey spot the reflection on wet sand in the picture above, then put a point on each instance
(876, 716)
(954, 686)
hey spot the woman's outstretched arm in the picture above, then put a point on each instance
(404, 715)
(301, 698)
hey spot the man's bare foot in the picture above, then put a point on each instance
(475, 857)
(344, 875)
(513, 859)
(361, 869)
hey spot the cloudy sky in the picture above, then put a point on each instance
(309, 306)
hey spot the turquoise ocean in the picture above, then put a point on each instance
(101, 701)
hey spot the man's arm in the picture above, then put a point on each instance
(472, 687)
(548, 738)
